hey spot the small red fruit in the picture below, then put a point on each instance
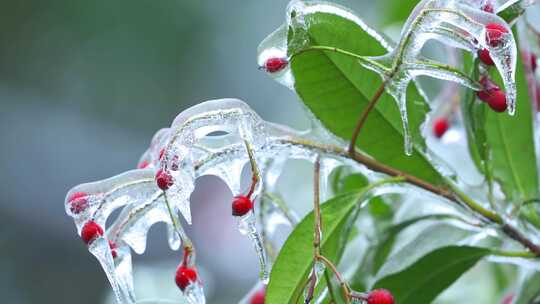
(440, 126)
(508, 299)
(78, 202)
(163, 179)
(241, 205)
(488, 88)
(495, 34)
(143, 164)
(258, 297)
(90, 231)
(533, 62)
(485, 57)
(273, 65)
(380, 296)
(113, 248)
(185, 276)
(488, 8)
(497, 101)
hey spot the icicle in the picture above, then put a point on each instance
(247, 226)
(124, 272)
(173, 238)
(194, 293)
(100, 249)
(327, 167)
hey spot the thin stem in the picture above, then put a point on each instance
(344, 286)
(364, 115)
(488, 214)
(375, 165)
(513, 254)
(255, 174)
(179, 230)
(317, 227)
(280, 204)
(317, 208)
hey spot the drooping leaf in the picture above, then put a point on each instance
(336, 88)
(431, 274)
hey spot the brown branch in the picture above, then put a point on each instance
(454, 196)
(364, 115)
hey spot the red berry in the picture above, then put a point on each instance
(380, 296)
(508, 299)
(488, 8)
(440, 126)
(485, 57)
(143, 164)
(488, 88)
(533, 62)
(497, 101)
(495, 34)
(78, 202)
(258, 297)
(113, 248)
(185, 276)
(90, 231)
(241, 205)
(163, 179)
(273, 65)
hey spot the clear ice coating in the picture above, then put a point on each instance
(194, 293)
(456, 23)
(248, 226)
(209, 138)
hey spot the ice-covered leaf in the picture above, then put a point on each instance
(336, 88)
(431, 274)
(428, 240)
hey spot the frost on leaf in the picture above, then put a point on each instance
(459, 24)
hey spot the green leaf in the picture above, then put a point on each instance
(291, 269)
(336, 88)
(426, 241)
(379, 251)
(396, 13)
(513, 11)
(432, 274)
(512, 145)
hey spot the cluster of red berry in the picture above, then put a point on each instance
(491, 93)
